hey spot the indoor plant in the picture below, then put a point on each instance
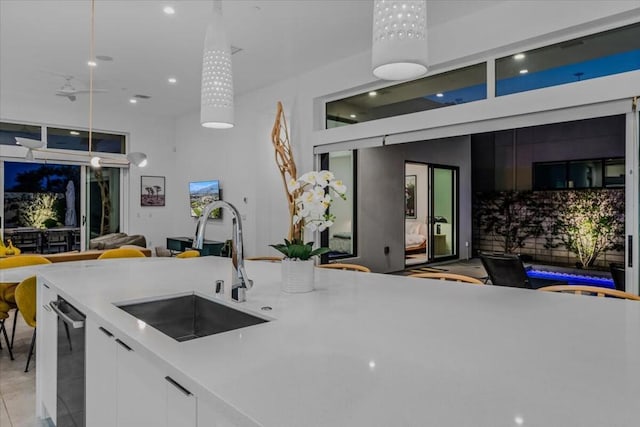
(311, 197)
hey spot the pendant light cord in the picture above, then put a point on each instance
(91, 58)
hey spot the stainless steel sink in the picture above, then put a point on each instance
(191, 316)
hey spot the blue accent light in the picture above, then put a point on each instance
(605, 66)
(572, 279)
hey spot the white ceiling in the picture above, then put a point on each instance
(42, 40)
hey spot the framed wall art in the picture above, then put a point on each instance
(410, 196)
(152, 190)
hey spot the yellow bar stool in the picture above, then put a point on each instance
(122, 253)
(191, 253)
(7, 290)
(26, 300)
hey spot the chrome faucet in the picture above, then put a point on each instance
(239, 280)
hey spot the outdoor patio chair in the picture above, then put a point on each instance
(617, 273)
(590, 290)
(508, 270)
(449, 277)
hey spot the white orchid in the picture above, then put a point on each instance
(292, 185)
(309, 178)
(338, 186)
(312, 197)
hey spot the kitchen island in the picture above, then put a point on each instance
(363, 349)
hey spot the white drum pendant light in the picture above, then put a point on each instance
(399, 39)
(216, 109)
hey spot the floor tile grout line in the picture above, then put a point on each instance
(6, 411)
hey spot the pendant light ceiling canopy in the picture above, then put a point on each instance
(216, 102)
(399, 39)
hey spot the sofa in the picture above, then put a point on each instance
(116, 240)
(415, 238)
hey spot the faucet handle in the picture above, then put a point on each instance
(219, 287)
(239, 294)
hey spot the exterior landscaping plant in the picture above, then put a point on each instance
(510, 216)
(588, 223)
(36, 212)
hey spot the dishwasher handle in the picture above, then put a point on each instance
(75, 324)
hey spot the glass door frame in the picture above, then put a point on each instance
(632, 200)
(85, 170)
(455, 191)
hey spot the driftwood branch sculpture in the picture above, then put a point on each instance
(286, 165)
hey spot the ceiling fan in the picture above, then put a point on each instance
(69, 91)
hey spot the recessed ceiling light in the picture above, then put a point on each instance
(133, 101)
(353, 116)
(524, 71)
(518, 56)
(172, 80)
(373, 93)
(74, 132)
(439, 95)
(92, 63)
(169, 10)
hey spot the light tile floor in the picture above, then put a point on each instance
(17, 388)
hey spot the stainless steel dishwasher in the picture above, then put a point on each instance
(71, 365)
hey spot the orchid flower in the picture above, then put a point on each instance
(312, 199)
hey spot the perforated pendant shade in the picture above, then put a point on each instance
(216, 109)
(399, 39)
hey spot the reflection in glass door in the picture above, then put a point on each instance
(431, 213)
(102, 202)
(40, 206)
(443, 212)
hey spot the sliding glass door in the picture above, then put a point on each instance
(102, 186)
(57, 207)
(40, 206)
(443, 212)
(431, 213)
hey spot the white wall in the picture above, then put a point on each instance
(151, 135)
(242, 157)
(495, 32)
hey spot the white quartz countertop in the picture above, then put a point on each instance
(381, 350)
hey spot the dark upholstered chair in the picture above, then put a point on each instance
(617, 273)
(508, 270)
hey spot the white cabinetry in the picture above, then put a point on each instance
(46, 353)
(100, 376)
(181, 406)
(125, 389)
(141, 399)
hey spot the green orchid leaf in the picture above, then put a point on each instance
(319, 251)
(281, 248)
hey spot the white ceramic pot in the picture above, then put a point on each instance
(297, 276)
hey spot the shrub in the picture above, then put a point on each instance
(588, 222)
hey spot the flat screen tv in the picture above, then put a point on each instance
(201, 193)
